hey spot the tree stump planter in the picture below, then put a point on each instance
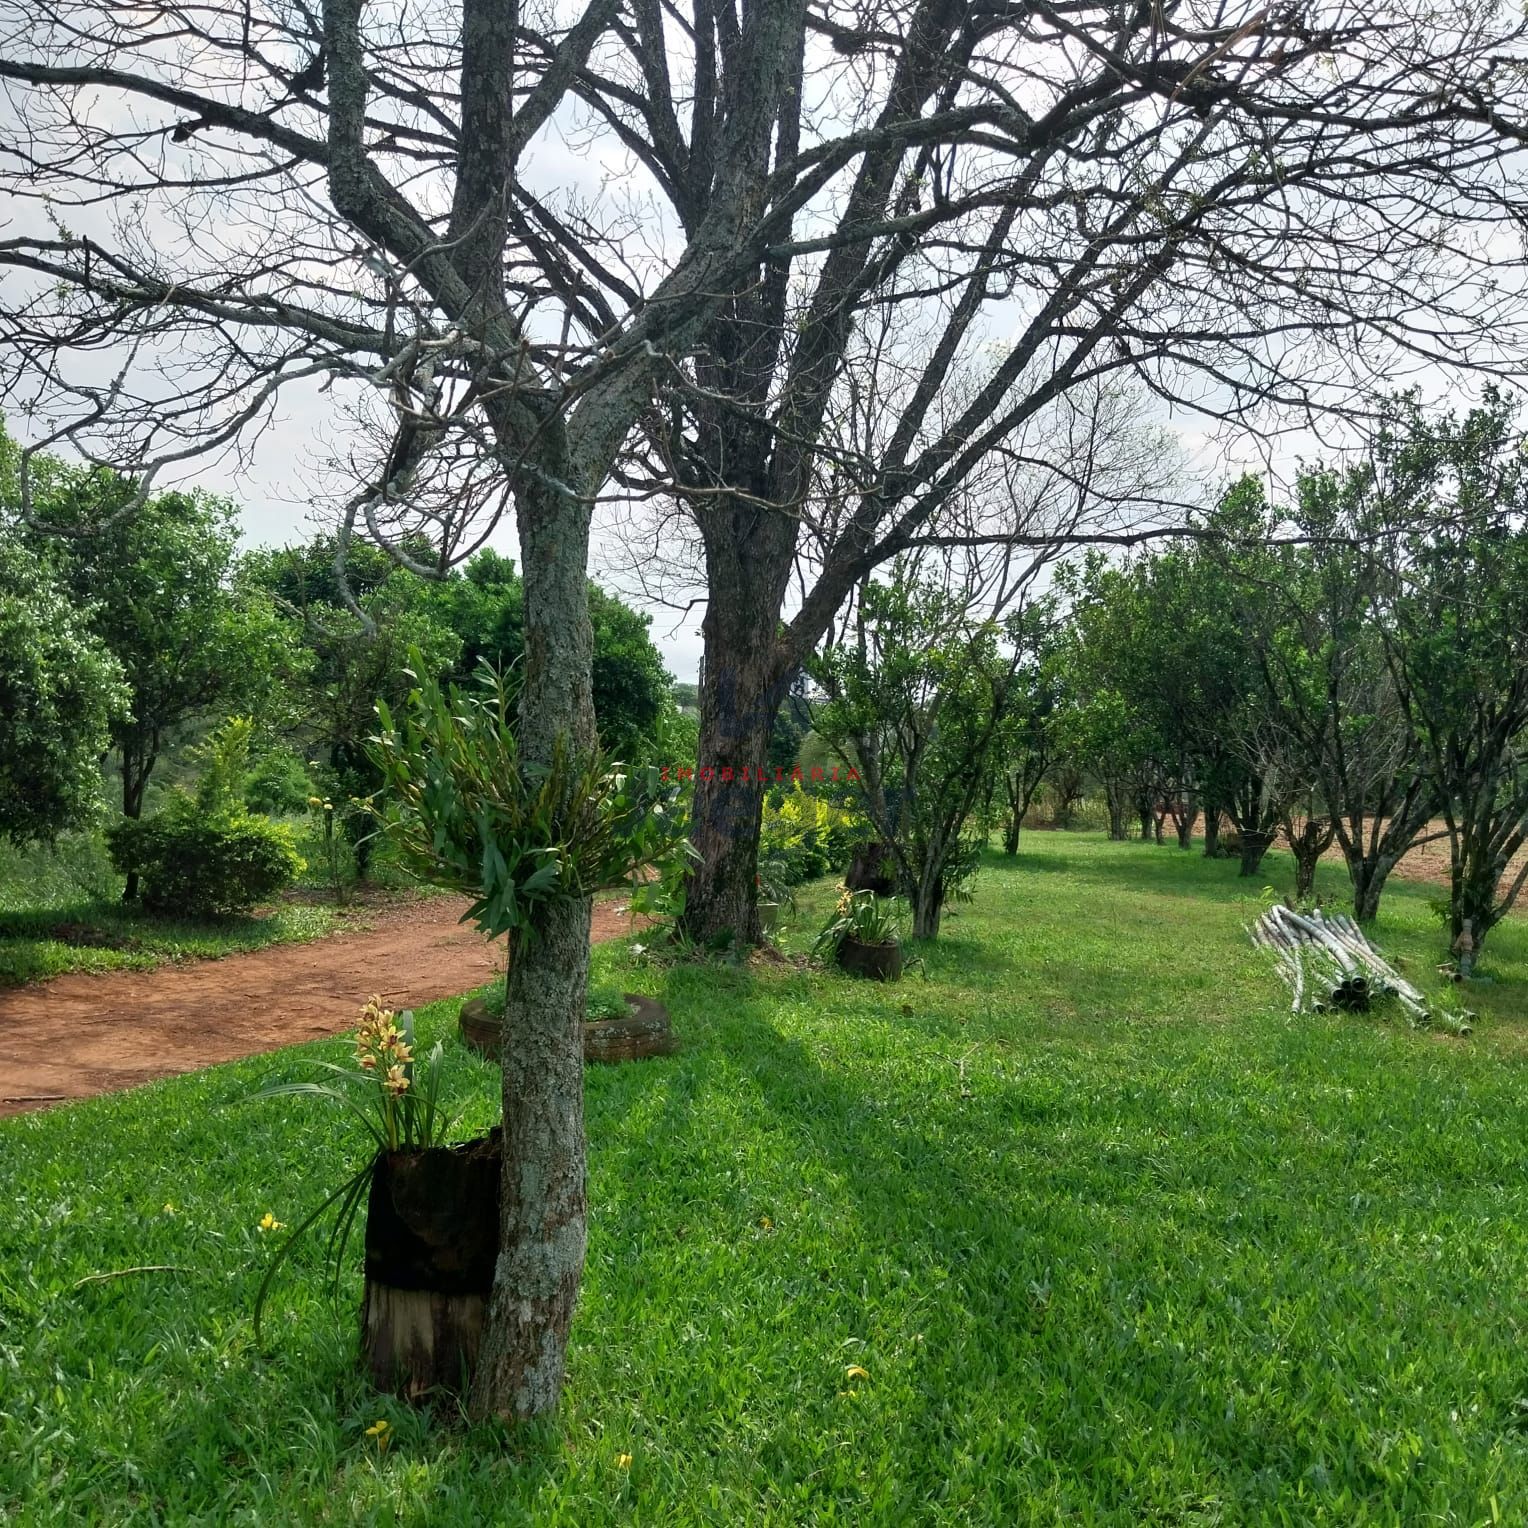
(880, 962)
(645, 1031)
(432, 1235)
(871, 870)
(478, 1028)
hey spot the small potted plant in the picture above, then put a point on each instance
(775, 898)
(862, 937)
(432, 1212)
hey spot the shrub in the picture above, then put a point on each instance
(205, 866)
(278, 784)
(804, 836)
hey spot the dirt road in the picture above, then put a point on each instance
(80, 1035)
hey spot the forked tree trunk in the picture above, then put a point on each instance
(1184, 823)
(542, 1208)
(1255, 843)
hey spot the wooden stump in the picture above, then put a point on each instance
(880, 962)
(432, 1236)
(869, 870)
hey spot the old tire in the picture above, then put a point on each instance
(645, 1031)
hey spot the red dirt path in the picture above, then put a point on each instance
(83, 1034)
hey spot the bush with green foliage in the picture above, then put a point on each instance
(204, 854)
(278, 784)
(204, 867)
(804, 836)
(59, 693)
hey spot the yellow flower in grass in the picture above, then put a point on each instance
(623, 1461)
(268, 1222)
(397, 1083)
(854, 1371)
(169, 1208)
(377, 1428)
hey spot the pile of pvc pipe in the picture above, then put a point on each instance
(1328, 962)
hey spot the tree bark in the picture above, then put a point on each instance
(1184, 823)
(542, 1188)
(1114, 796)
(1011, 831)
(1255, 843)
(542, 1206)
(138, 762)
(1211, 832)
(743, 683)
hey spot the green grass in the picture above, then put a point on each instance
(61, 910)
(1115, 1237)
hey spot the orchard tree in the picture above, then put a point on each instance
(1028, 748)
(217, 205)
(60, 691)
(1452, 613)
(1329, 699)
(165, 601)
(1231, 208)
(920, 688)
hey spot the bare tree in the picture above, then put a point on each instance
(1241, 207)
(214, 206)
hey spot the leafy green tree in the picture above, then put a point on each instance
(482, 606)
(1329, 700)
(192, 640)
(1029, 745)
(1451, 613)
(60, 691)
(917, 702)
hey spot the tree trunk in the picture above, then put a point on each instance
(542, 1205)
(1211, 833)
(743, 682)
(136, 767)
(1369, 872)
(1114, 797)
(1184, 823)
(1254, 845)
(1011, 831)
(542, 1190)
(1147, 817)
(928, 908)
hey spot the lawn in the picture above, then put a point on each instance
(1112, 1237)
(61, 910)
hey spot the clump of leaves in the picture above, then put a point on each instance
(467, 811)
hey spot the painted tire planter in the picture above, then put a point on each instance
(880, 962)
(432, 1234)
(645, 1031)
